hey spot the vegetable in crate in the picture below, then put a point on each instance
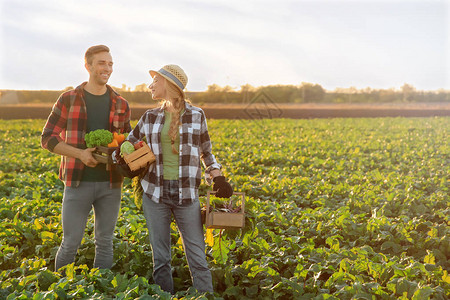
(126, 148)
(99, 137)
(138, 145)
(224, 205)
(120, 138)
(114, 143)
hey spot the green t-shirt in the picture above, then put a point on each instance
(170, 159)
(97, 107)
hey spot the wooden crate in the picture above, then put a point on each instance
(225, 220)
(103, 155)
(139, 158)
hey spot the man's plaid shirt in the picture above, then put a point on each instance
(67, 122)
(195, 146)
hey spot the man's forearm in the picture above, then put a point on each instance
(85, 155)
(64, 149)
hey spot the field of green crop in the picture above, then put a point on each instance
(336, 209)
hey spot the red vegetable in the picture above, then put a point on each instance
(138, 145)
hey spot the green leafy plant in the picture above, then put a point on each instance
(99, 137)
(335, 209)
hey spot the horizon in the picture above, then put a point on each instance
(336, 90)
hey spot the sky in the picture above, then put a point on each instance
(335, 43)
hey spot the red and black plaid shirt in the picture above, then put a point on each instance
(67, 122)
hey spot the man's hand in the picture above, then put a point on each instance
(87, 158)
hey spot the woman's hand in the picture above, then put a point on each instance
(222, 187)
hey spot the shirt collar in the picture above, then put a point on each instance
(79, 89)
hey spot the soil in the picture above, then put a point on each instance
(265, 111)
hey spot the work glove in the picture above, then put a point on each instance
(123, 168)
(222, 187)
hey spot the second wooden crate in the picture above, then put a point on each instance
(225, 220)
(139, 158)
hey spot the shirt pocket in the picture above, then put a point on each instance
(192, 136)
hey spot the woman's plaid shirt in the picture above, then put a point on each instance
(67, 122)
(195, 146)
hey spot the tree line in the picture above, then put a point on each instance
(302, 93)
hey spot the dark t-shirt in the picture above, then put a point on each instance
(97, 108)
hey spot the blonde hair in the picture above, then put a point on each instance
(178, 101)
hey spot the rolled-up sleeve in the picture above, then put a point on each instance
(207, 157)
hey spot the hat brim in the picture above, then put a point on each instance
(153, 73)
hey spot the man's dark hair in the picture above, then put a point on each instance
(88, 57)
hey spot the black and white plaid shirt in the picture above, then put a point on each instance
(195, 146)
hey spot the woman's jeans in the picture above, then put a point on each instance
(188, 219)
(76, 206)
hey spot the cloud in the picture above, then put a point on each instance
(333, 43)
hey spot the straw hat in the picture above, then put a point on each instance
(174, 74)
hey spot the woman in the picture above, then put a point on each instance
(178, 135)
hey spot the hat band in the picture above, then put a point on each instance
(171, 76)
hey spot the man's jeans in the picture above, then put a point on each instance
(76, 206)
(188, 219)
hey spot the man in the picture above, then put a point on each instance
(92, 105)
